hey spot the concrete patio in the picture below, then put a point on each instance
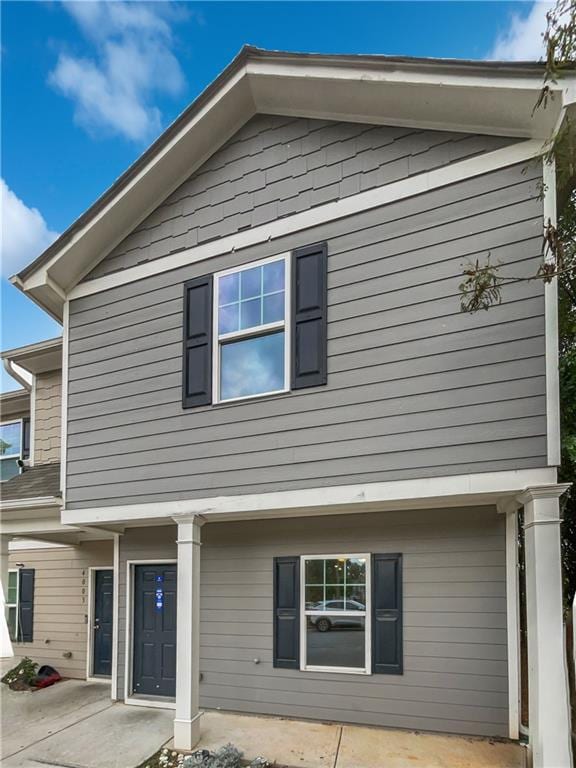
(75, 725)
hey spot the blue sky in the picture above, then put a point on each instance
(87, 85)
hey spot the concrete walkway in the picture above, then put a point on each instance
(293, 743)
(74, 724)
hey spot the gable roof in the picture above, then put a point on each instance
(443, 94)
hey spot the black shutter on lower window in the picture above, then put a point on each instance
(287, 612)
(309, 316)
(25, 630)
(387, 655)
(197, 343)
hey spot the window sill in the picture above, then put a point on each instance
(250, 398)
(337, 670)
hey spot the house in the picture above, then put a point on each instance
(57, 578)
(312, 460)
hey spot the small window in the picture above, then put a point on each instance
(12, 604)
(336, 613)
(11, 445)
(251, 328)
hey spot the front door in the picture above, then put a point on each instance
(154, 664)
(102, 627)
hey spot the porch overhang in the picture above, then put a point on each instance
(489, 488)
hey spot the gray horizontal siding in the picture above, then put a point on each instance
(277, 166)
(455, 676)
(415, 387)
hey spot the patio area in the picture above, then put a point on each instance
(75, 725)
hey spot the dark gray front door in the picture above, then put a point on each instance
(102, 627)
(154, 665)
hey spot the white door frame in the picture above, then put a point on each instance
(129, 697)
(90, 639)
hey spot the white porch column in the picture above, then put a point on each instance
(547, 674)
(187, 720)
(6, 650)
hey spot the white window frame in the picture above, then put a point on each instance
(304, 613)
(15, 605)
(14, 455)
(261, 330)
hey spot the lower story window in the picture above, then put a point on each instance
(12, 604)
(336, 613)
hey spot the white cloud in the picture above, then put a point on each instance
(25, 233)
(133, 61)
(522, 41)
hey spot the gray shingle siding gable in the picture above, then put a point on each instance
(455, 669)
(276, 166)
(415, 387)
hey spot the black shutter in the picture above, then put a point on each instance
(287, 612)
(387, 657)
(309, 316)
(26, 438)
(197, 351)
(25, 605)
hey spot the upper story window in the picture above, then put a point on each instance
(258, 329)
(251, 345)
(12, 447)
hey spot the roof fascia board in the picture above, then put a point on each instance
(377, 74)
(414, 185)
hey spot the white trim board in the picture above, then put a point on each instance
(451, 490)
(64, 401)
(551, 326)
(363, 201)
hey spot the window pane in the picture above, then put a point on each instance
(8, 468)
(12, 623)
(12, 596)
(252, 366)
(355, 598)
(10, 439)
(273, 309)
(228, 289)
(228, 318)
(334, 592)
(355, 571)
(274, 277)
(336, 641)
(314, 597)
(251, 283)
(250, 313)
(314, 571)
(335, 571)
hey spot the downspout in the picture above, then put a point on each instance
(11, 371)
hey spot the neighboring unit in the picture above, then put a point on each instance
(59, 578)
(315, 460)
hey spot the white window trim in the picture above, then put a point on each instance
(260, 330)
(8, 605)
(18, 455)
(367, 670)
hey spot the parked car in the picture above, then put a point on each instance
(325, 623)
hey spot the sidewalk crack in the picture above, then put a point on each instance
(338, 747)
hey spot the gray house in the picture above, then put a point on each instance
(313, 462)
